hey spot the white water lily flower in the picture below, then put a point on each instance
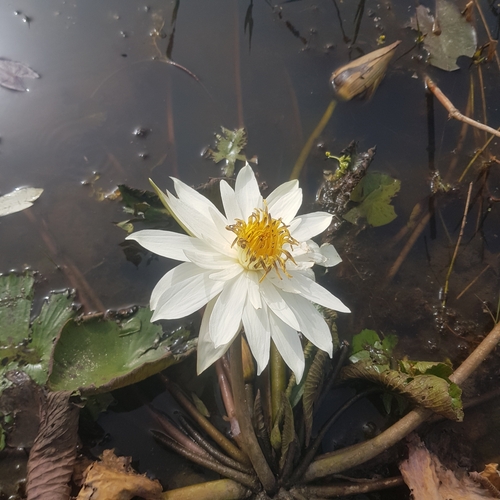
(251, 267)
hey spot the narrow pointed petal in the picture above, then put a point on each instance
(284, 202)
(254, 289)
(277, 304)
(230, 203)
(307, 226)
(207, 354)
(225, 320)
(203, 255)
(176, 275)
(187, 297)
(316, 293)
(288, 344)
(247, 192)
(228, 273)
(332, 257)
(165, 243)
(256, 325)
(312, 324)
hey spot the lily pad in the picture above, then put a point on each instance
(23, 345)
(374, 194)
(447, 35)
(97, 355)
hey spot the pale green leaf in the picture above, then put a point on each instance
(18, 200)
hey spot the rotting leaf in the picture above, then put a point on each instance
(99, 355)
(454, 38)
(363, 75)
(228, 147)
(114, 479)
(374, 194)
(19, 199)
(12, 73)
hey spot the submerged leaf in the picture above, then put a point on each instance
(374, 193)
(12, 72)
(18, 200)
(448, 35)
(363, 75)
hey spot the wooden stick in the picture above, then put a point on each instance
(454, 113)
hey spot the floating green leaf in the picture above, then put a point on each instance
(228, 147)
(368, 346)
(447, 35)
(374, 194)
(97, 355)
(24, 346)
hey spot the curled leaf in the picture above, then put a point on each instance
(363, 75)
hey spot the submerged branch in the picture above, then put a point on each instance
(358, 454)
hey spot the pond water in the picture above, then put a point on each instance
(105, 76)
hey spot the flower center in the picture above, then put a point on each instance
(260, 242)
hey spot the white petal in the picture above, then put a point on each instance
(229, 202)
(288, 344)
(187, 297)
(332, 257)
(254, 289)
(207, 353)
(277, 304)
(225, 321)
(312, 324)
(176, 275)
(307, 226)
(220, 222)
(205, 256)
(247, 192)
(229, 272)
(284, 202)
(316, 293)
(165, 243)
(256, 324)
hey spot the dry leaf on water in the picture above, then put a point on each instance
(428, 479)
(114, 479)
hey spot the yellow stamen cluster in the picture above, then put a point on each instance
(261, 240)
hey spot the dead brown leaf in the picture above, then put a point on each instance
(428, 479)
(491, 473)
(114, 479)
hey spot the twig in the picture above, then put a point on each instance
(345, 489)
(485, 24)
(473, 281)
(454, 113)
(251, 444)
(453, 258)
(347, 458)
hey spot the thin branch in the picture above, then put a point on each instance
(454, 113)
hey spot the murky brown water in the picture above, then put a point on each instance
(103, 76)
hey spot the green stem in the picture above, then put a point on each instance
(252, 447)
(278, 380)
(224, 489)
(347, 458)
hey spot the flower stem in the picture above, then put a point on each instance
(352, 456)
(278, 380)
(252, 447)
(223, 489)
